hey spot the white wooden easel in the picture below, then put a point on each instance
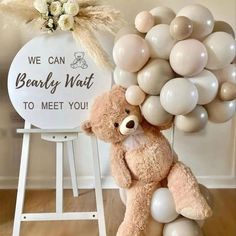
(60, 137)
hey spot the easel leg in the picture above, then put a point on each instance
(22, 181)
(59, 177)
(98, 188)
(71, 158)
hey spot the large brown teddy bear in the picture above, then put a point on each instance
(141, 158)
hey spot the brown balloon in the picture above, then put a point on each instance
(227, 91)
(181, 28)
(223, 27)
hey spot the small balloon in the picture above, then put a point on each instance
(154, 113)
(207, 86)
(227, 74)
(163, 206)
(221, 111)
(179, 96)
(188, 57)
(124, 78)
(154, 75)
(163, 15)
(131, 52)
(129, 29)
(134, 95)
(202, 18)
(181, 28)
(221, 49)
(227, 91)
(182, 227)
(123, 195)
(193, 121)
(160, 41)
(144, 21)
(222, 26)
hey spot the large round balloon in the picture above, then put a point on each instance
(182, 227)
(154, 75)
(131, 52)
(227, 74)
(160, 41)
(124, 78)
(179, 96)
(163, 206)
(221, 49)
(134, 95)
(154, 113)
(188, 57)
(193, 121)
(221, 111)
(222, 26)
(207, 86)
(144, 21)
(202, 18)
(163, 15)
(128, 29)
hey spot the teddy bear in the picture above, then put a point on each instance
(141, 158)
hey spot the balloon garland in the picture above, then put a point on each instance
(178, 67)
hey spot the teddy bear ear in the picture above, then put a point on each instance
(87, 128)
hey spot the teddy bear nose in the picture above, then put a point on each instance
(130, 124)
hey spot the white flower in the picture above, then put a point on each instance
(66, 22)
(63, 1)
(50, 23)
(41, 6)
(55, 8)
(71, 8)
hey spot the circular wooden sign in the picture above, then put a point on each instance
(52, 82)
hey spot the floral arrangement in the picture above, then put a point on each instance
(83, 18)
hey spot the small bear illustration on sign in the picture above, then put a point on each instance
(79, 61)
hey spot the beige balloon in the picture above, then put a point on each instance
(154, 75)
(182, 227)
(222, 26)
(129, 29)
(221, 111)
(134, 95)
(131, 52)
(221, 49)
(207, 86)
(202, 18)
(181, 28)
(124, 78)
(188, 57)
(227, 91)
(144, 21)
(154, 113)
(160, 41)
(163, 15)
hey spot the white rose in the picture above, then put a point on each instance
(41, 6)
(71, 8)
(66, 22)
(55, 8)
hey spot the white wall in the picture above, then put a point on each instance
(210, 153)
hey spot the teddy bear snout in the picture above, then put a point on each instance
(129, 125)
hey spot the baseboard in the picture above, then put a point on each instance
(87, 182)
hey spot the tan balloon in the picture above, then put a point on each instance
(160, 41)
(188, 57)
(154, 113)
(202, 18)
(227, 91)
(221, 49)
(207, 86)
(131, 52)
(163, 15)
(182, 227)
(221, 111)
(144, 21)
(134, 95)
(124, 78)
(154, 75)
(153, 228)
(129, 29)
(181, 28)
(193, 121)
(222, 26)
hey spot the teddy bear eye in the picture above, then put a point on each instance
(116, 125)
(127, 111)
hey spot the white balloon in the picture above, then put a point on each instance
(179, 96)
(134, 95)
(160, 41)
(162, 15)
(207, 86)
(163, 206)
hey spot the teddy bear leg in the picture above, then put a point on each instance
(186, 193)
(137, 209)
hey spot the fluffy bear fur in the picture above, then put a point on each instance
(140, 161)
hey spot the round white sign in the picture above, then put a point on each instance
(52, 82)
